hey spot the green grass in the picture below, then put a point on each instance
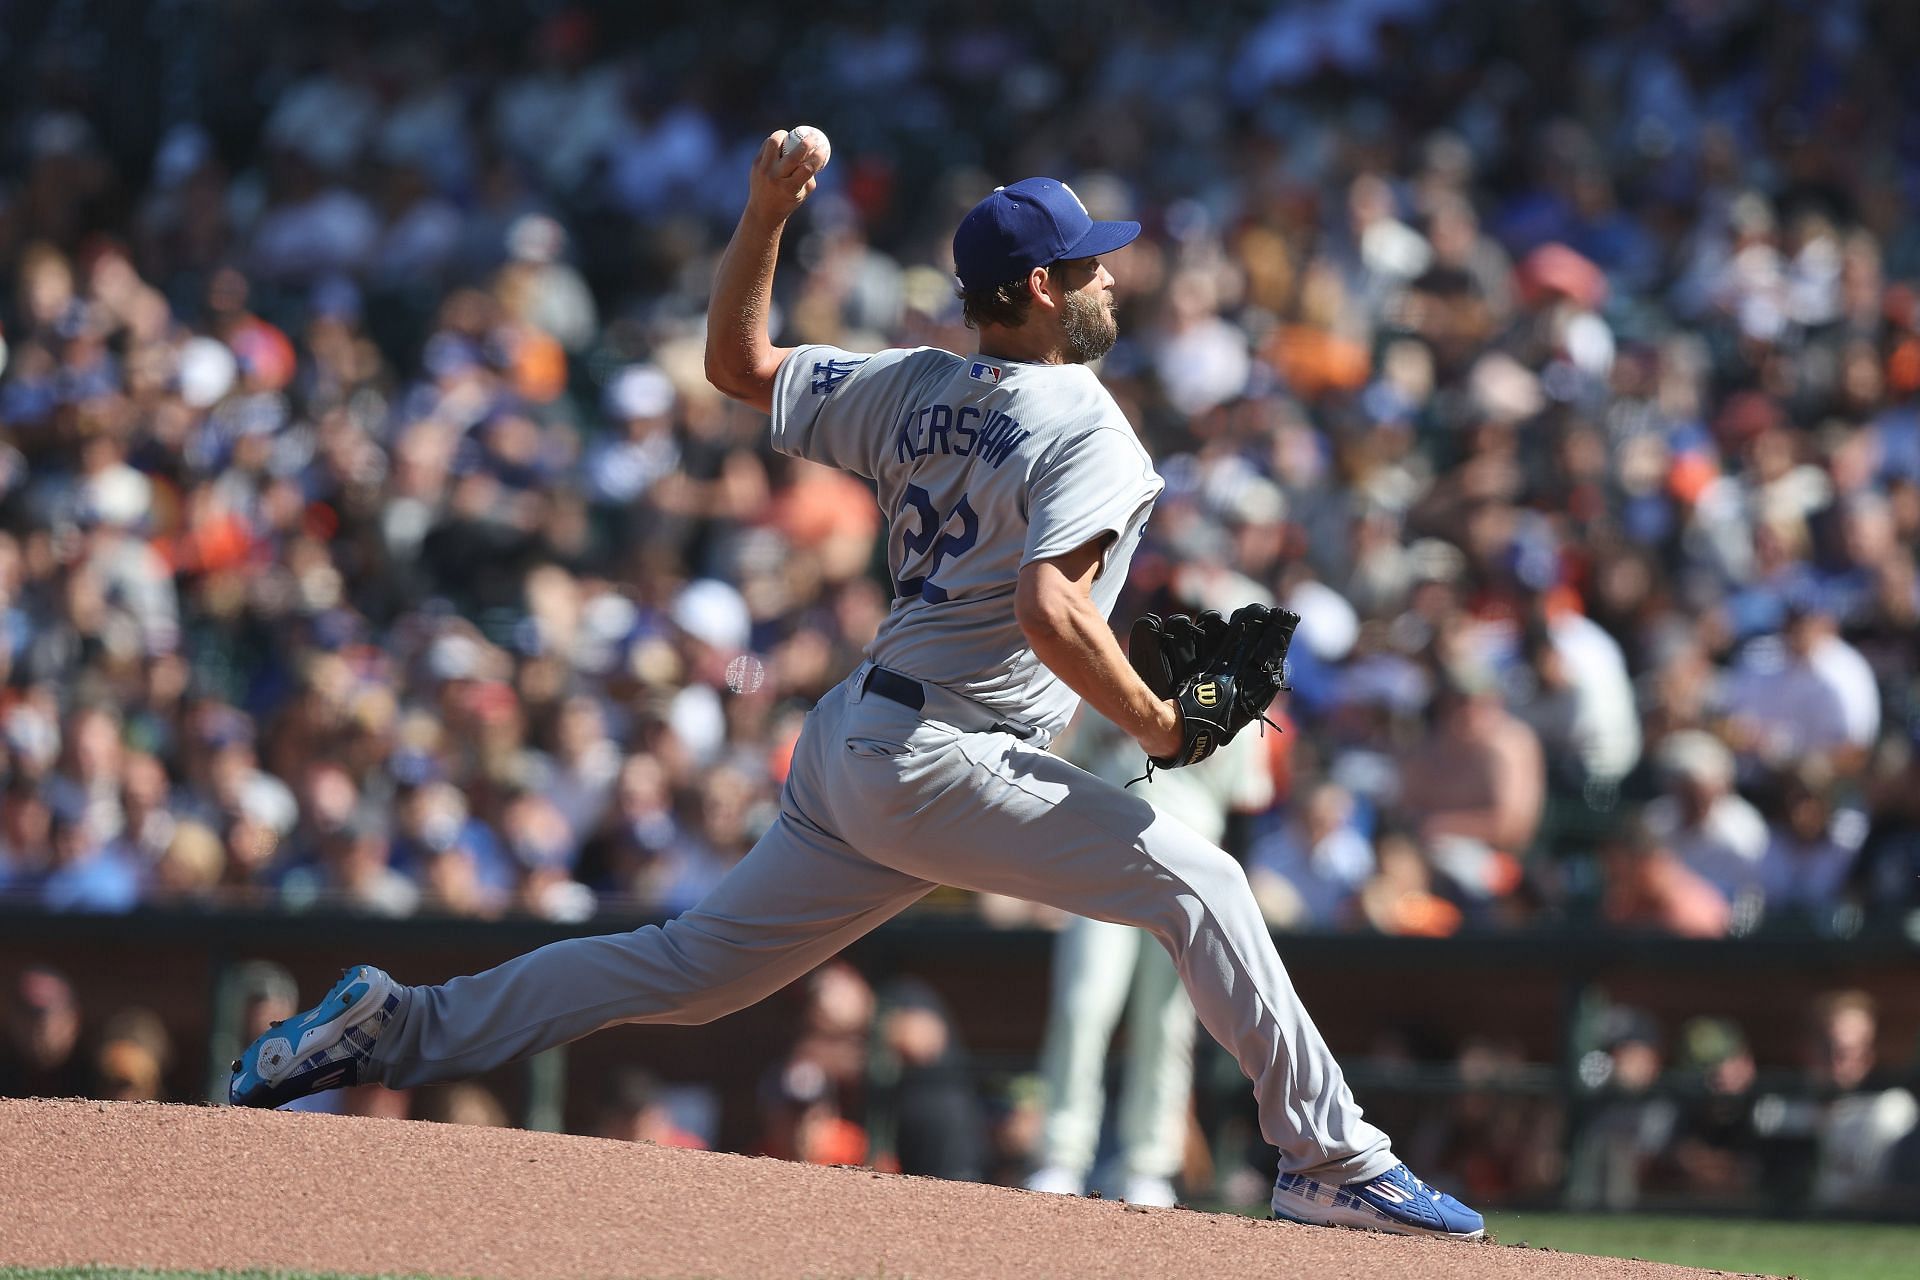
(1809, 1250)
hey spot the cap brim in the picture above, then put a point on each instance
(1102, 237)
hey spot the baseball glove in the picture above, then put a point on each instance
(1223, 672)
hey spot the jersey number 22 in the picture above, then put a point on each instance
(932, 535)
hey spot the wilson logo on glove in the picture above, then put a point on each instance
(1223, 673)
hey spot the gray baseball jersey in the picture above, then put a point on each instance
(982, 465)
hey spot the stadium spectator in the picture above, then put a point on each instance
(1713, 1154)
(1842, 1044)
(1812, 842)
(627, 857)
(1473, 790)
(1304, 873)
(632, 1109)
(456, 859)
(1810, 694)
(1836, 1145)
(939, 1129)
(1702, 820)
(1632, 1124)
(1888, 871)
(1502, 1145)
(800, 1120)
(836, 1025)
(131, 1059)
(1401, 896)
(84, 872)
(42, 1057)
(1647, 886)
(188, 871)
(349, 872)
(1575, 694)
(25, 824)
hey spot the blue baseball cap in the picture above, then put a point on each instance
(1029, 224)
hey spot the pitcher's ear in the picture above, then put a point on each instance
(1037, 280)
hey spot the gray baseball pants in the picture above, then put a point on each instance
(881, 804)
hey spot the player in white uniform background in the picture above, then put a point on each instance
(1017, 493)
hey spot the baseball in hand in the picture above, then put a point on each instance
(814, 141)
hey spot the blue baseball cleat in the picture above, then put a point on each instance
(325, 1047)
(1395, 1202)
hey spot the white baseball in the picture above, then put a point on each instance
(745, 674)
(811, 138)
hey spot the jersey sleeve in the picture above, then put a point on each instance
(838, 407)
(1093, 485)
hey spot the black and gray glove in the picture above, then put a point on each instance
(1222, 672)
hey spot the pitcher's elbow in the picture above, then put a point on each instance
(1043, 617)
(719, 376)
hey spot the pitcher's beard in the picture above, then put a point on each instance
(1090, 327)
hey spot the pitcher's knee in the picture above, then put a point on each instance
(685, 1002)
(713, 975)
(1201, 881)
(714, 1003)
(1227, 868)
(1207, 869)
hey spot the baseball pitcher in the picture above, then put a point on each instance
(1017, 493)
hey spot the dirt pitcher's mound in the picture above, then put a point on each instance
(196, 1187)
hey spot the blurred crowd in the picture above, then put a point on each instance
(1659, 1114)
(859, 1076)
(370, 538)
(1688, 1112)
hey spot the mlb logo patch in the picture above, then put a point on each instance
(981, 371)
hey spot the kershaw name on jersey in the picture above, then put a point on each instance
(960, 430)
